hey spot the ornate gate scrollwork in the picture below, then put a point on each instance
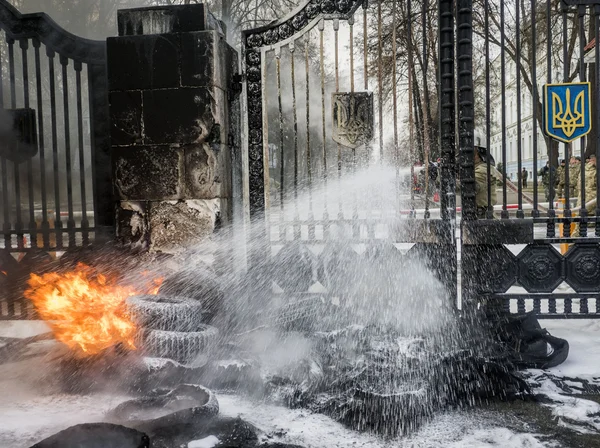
(540, 268)
(583, 267)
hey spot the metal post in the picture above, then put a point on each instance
(464, 25)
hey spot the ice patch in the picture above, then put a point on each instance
(207, 442)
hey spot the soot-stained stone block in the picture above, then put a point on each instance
(204, 61)
(125, 118)
(132, 222)
(178, 116)
(176, 225)
(148, 172)
(232, 63)
(203, 170)
(167, 19)
(143, 62)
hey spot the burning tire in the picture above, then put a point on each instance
(166, 313)
(181, 347)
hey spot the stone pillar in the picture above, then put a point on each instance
(171, 75)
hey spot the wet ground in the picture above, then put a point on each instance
(533, 417)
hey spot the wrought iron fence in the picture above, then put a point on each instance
(326, 99)
(55, 173)
(535, 248)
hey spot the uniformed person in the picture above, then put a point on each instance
(590, 185)
(561, 175)
(590, 188)
(574, 173)
(481, 179)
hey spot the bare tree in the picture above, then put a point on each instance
(548, 20)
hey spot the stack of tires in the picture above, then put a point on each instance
(175, 323)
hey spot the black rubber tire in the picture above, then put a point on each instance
(180, 406)
(167, 313)
(185, 348)
(201, 286)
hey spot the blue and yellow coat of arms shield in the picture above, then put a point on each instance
(568, 110)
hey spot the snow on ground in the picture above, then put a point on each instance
(450, 430)
(583, 363)
(31, 419)
(29, 415)
(207, 442)
(584, 347)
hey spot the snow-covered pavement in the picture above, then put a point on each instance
(29, 415)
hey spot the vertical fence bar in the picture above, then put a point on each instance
(311, 226)
(297, 228)
(464, 25)
(520, 213)
(355, 224)
(366, 45)
(534, 212)
(365, 5)
(40, 102)
(6, 225)
(64, 62)
(597, 115)
(282, 228)
(324, 155)
(490, 208)
(395, 97)
(447, 109)
(17, 173)
(57, 218)
(84, 220)
(101, 190)
(426, 142)
(411, 132)
(336, 29)
(504, 213)
(24, 45)
(581, 9)
(567, 212)
(552, 306)
(380, 76)
(550, 228)
(520, 306)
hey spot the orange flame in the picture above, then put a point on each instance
(84, 308)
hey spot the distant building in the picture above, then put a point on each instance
(525, 138)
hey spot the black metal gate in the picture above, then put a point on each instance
(55, 173)
(537, 250)
(312, 82)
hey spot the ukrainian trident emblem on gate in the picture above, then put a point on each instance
(352, 118)
(568, 110)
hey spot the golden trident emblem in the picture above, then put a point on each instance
(562, 116)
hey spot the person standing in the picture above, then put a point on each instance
(574, 173)
(481, 156)
(590, 188)
(544, 172)
(560, 174)
(524, 175)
